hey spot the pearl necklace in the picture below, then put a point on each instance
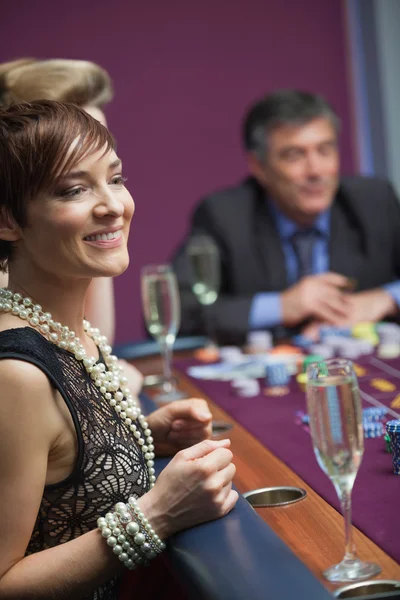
(109, 379)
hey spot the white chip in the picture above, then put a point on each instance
(260, 340)
(350, 351)
(231, 354)
(246, 387)
(364, 346)
(323, 350)
(335, 341)
(390, 338)
(388, 351)
(383, 328)
(245, 383)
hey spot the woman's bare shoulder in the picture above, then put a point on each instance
(25, 389)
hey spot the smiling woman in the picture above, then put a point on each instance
(88, 85)
(87, 457)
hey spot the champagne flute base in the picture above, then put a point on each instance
(157, 380)
(351, 570)
(170, 396)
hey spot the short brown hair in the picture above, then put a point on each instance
(35, 152)
(65, 80)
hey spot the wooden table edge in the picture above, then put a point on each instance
(312, 528)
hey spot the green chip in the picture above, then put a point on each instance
(311, 359)
(388, 444)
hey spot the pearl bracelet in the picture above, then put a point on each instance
(130, 535)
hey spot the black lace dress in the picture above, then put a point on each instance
(110, 467)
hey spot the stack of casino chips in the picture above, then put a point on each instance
(389, 334)
(374, 413)
(373, 429)
(372, 421)
(354, 348)
(342, 345)
(277, 375)
(393, 430)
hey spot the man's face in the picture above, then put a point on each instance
(301, 168)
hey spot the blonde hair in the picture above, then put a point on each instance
(64, 80)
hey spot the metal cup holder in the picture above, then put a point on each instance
(274, 496)
(381, 588)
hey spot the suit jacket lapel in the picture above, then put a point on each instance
(347, 238)
(268, 244)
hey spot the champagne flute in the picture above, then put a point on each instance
(204, 262)
(161, 307)
(334, 407)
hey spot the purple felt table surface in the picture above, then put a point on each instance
(272, 420)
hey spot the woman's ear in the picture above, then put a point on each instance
(9, 230)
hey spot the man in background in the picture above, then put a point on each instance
(295, 240)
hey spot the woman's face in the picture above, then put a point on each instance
(81, 228)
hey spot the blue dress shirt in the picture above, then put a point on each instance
(266, 308)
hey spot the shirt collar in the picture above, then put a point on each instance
(286, 227)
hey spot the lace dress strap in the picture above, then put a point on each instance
(28, 345)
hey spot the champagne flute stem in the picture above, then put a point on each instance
(345, 502)
(209, 327)
(166, 349)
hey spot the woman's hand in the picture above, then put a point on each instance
(180, 424)
(195, 487)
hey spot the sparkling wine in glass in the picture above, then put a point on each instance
(334, 407)
(162, 313)
(204, 262)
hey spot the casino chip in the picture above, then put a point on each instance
(322, 350)
(388, 444)
(277, 375)
(388, 350)
(207, 355)
(302, 381)
(374, 413)
(286, 349)
(393, 430)
(246, 388)
(302, 417)
(311, 358)
(373, 430)
(302, 341)
(259, 341)
(231, 354)
(328, 331)
(280, 390)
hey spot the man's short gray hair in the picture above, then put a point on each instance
(284, 107)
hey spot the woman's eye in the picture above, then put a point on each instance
(72, 192)
(118, 180)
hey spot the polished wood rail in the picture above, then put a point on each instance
(312, 528)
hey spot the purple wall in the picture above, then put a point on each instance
(184, 72)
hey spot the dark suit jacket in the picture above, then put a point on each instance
(364, 244)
